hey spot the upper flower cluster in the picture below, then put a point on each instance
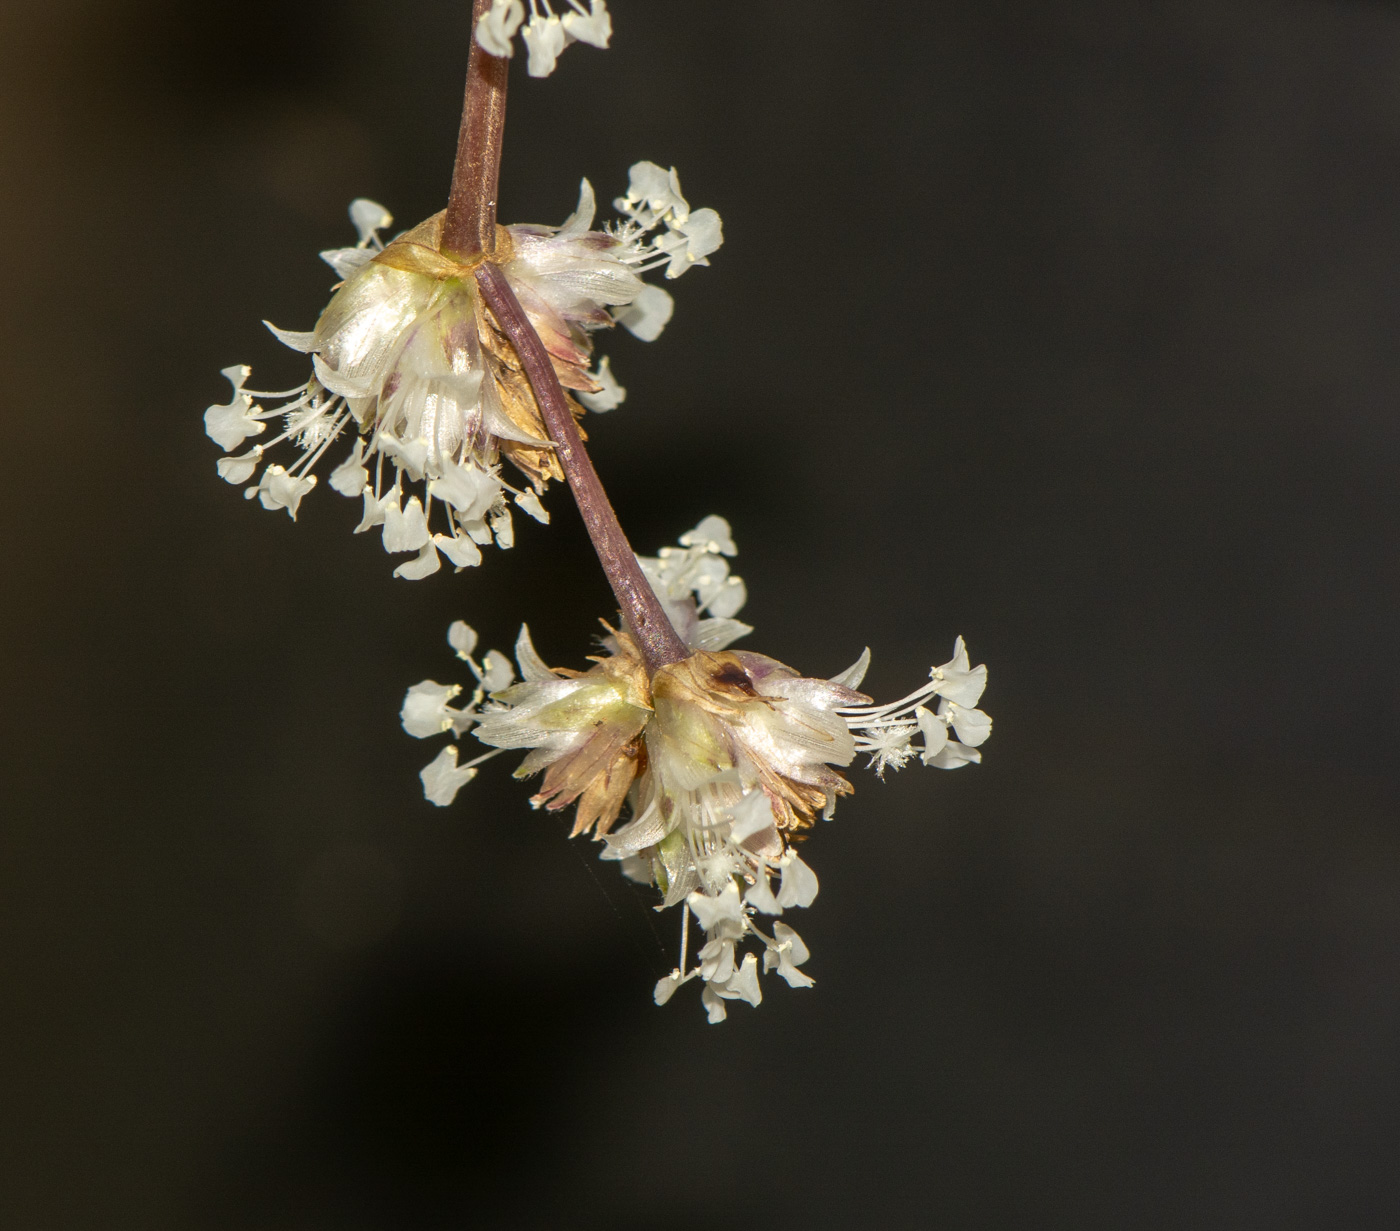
(545, 35)
(408, 359)
(725, 758)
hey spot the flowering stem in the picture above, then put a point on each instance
(470, 229)
(470, 225)
(646, 619)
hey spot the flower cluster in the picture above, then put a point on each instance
(545, 34)
(408, 359)
(724, 759)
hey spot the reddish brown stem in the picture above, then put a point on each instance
(645, 617)
(470, 225)
(470, 229)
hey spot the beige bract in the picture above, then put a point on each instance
(409, 362)
(724, 760)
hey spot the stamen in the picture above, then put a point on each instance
(285, 393)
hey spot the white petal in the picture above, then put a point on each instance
(794, 977)
(503, 527)
(760, 896)
(238, 470)
(442, 779)
(957, 681)
(852, 676)
(478, 529)
(498, 26)
(713, 909)
(410, 456)
(714, 1006)
(498, 672)
(935, 732)
(460, 550)
(646, 316)
(973, 727)
(713, 534)
(752, 814)
(425, 711)
(369, 217)
(653, 193)
(799, 887)
(532, 666)
(610, 396)
(229, 426)
(375, 510)
(743, 985)
(350, 478)
(405, 529)
(279, 490)
(544, 39)
(954, 756)
(728, 599)
(462, 637)
(470, 490)
(594, 29)
(717, 961)
(530, 502)
(425, 565)
(691, 244)
(666, 988)
(796, 950)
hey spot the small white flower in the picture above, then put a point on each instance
(351, 478)
(725, 758)
(530, 503)
(545, 34)
(956, 680)
(743, 983)
(760, 895)
(690, 242)
(696, 588)
(666, 987)
(423, 565)
(799, 887)
(712, 535)
(713, 909)
(443, 778)
(498, 26)
(405, 529)
(971, 726)
(785, 953)
(462, 637)
(593, 27)
(408, 362)
(229, 426)
(647, 315)
(885, 732)
(653, 196)
(611, 395)
(280, 489)
(544, 39)
(426, 713)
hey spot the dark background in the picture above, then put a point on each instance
(1066, 326)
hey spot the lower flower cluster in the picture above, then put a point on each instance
(724, 761)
